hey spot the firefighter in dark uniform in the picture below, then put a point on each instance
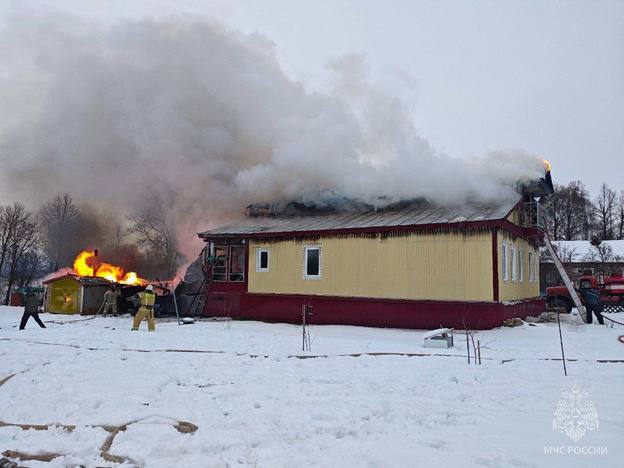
(593, 303)
(31, 308)
(146, 309)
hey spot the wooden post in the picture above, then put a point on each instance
(303, 318)
(175, 303)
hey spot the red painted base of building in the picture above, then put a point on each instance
(369, 312)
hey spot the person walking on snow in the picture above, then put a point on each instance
(146, 310)
(110, 300)
(31, 309)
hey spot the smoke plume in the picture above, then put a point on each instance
(203, 118)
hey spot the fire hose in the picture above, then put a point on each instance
(183, 427)
(621, 337)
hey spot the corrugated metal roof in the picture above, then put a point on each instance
(87, 280)
(414, 215)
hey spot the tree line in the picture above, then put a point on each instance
(34, 243)
(576, 215)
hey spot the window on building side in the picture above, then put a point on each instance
(220, 268)
(262, 260)
(514, 264)
(531, 268)
(237, 263)
(521, 264)
(536, 268)
(504, 262)
(312, 262)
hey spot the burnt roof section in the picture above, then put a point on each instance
(404, 216)
(86, 280)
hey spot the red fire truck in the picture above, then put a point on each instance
(611, 289)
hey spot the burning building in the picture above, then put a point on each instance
(81, 290)
(414, 265)
(72, 294)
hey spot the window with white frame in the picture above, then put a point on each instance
(262, 260)
(312, 262)
(521, 264)
(531, 268)
(504, 263)
(514, 264)
(536, 268)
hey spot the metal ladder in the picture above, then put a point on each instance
(202, 292)
(564, 276)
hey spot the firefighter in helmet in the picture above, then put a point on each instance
(110, 301)
(146, 309)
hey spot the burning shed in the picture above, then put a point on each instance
(73, 294)
(410, 266)
(81, 290)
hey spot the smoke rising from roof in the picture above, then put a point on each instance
(204, 118)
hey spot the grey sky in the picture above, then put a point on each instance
(546, 77)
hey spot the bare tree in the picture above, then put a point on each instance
(58, 218)
(24, 239)
(556, 219)
(602, 254)
(155, 237)
(30, 267)
(620, 215)
(10, 217)
(578, 208)
(572, 212)
(6, 233)
(606, 212)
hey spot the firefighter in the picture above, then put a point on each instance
(31, 308)
(593, 303)
(110, 300)
(146, 309)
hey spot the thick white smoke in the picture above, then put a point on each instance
(203, 117)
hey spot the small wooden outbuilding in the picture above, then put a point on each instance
(72, 294)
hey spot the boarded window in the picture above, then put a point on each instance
(237, 263)
(262, 260)
(312, 262)
(220, 268)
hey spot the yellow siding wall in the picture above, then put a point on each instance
(420, 266)
(521, 288)
(514, 217)
(56, 295)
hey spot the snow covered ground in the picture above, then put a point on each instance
(257, 405)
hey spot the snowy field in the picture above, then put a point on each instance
(257, 404)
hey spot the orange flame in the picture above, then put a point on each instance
(85, 265)
(547, 165)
